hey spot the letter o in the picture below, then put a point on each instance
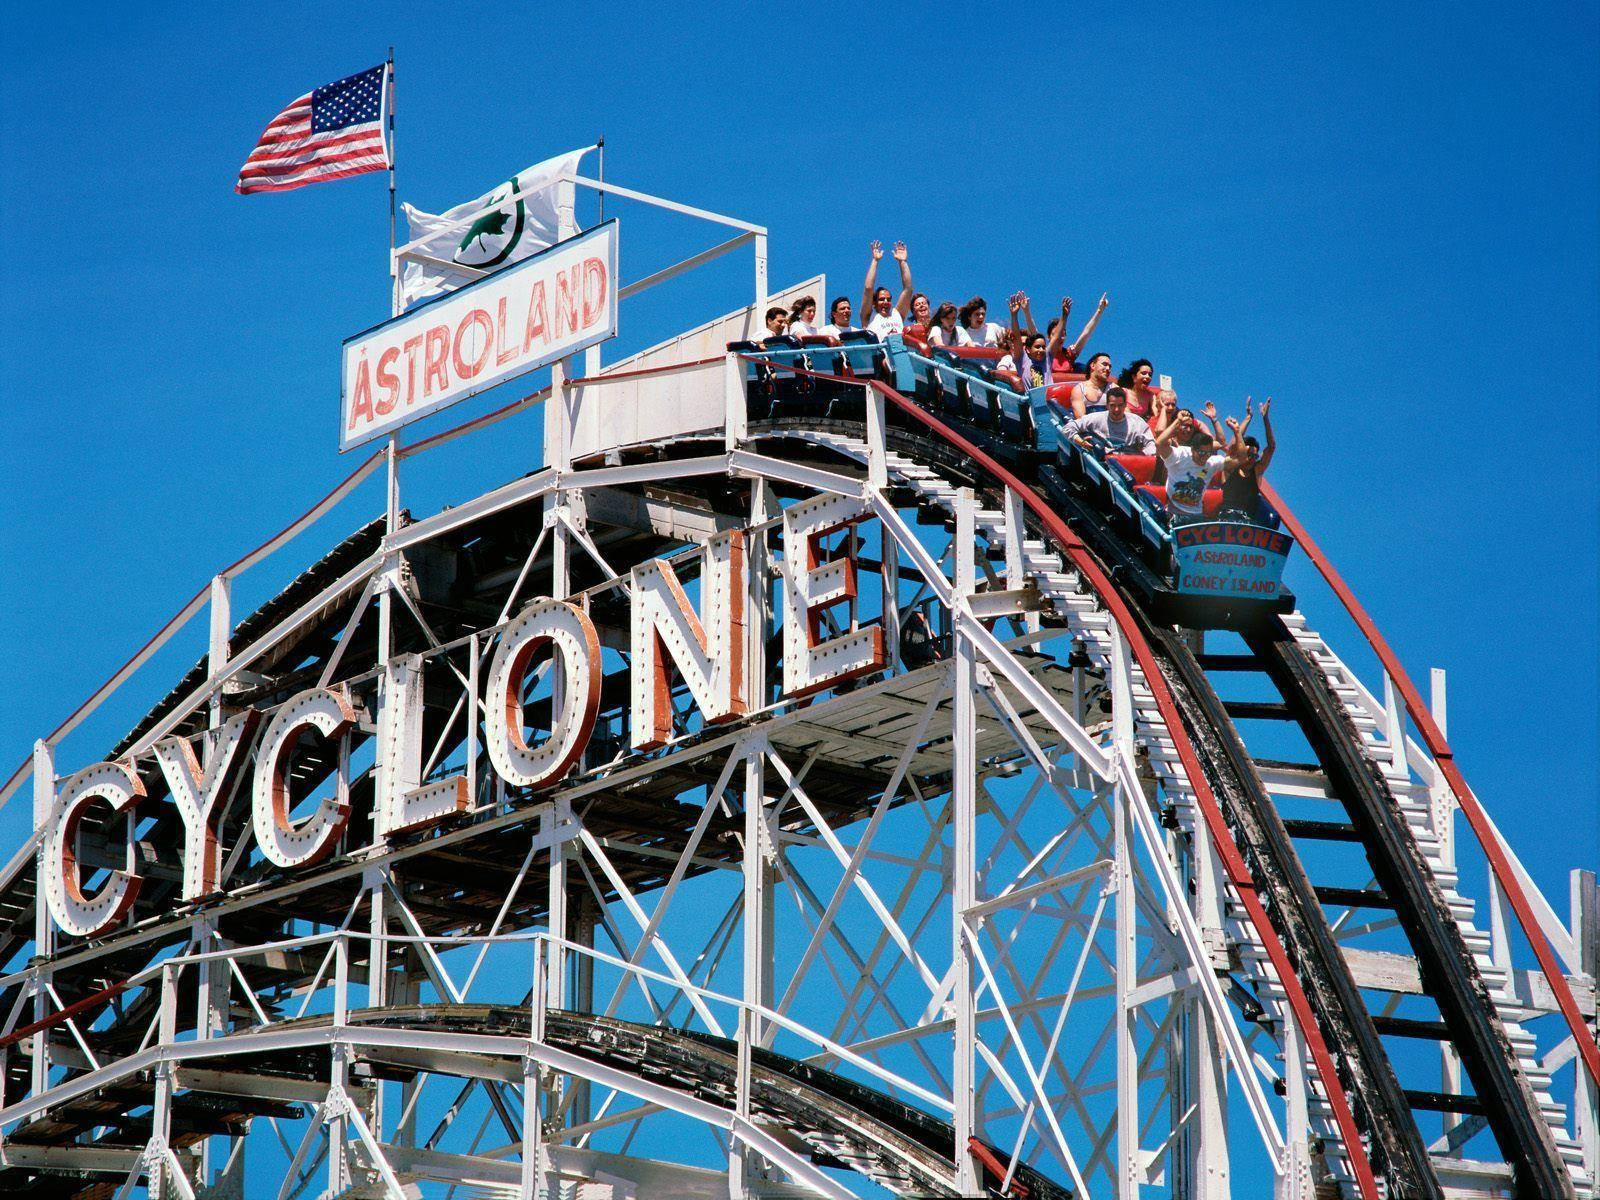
(282, 841)
(466, 370)
(88, 916)
(569, 633)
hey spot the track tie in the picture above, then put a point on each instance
(1280, 764)
(1346, 897)
(1322, 831)
(1257, 710)
(1229, 662)
(1408, 1027)
(1443, 1102)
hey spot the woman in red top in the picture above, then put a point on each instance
(1064, 361)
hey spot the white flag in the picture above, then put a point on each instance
(485, 240)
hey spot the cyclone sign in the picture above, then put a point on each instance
(1227, 558)
(521, 318)
(669, 637)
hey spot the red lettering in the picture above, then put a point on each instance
(410, 348)
(510, 348)
(465, 369)
(436, 360)
(387, 380)
(568, 295)
(594, 291)
(538, 325)
(361, 401)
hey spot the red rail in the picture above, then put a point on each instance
(1232, 860)
(62, 1015)
(1434, 739)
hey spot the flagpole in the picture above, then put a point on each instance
(394, 267)
(392, 495)
(602, 175)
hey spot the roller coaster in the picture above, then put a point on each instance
(1001, 864)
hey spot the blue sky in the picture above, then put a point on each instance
(1385, 220)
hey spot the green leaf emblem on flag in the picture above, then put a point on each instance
(490, 239)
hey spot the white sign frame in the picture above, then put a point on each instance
(503, 300)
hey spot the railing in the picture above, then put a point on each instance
(335, 992)
(1506, 877)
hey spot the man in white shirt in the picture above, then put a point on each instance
(838, 318)
(882, 316)
(1191, 462)
(1123, 431)
(777, 321)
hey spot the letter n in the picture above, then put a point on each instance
(709, 655)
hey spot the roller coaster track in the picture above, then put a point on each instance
(1374, 1116)
(836, 1122)
(1223, 793)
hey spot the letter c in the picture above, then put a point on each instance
(88, 916)
(331, 713)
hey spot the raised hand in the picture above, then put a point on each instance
(1230, 422)
(1015, 302)
(877, 251)
(899, 251)
(1211, 411)
(1249, 406)
(1066, 306)
(1022, 299)
(1265, 405)
(1101, 307)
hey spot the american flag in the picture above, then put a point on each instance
(332, 132)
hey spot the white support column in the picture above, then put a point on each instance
(211, 990)
(557, 432)
(761, 276)
(1208, 1160)
(735, 421)
(757, 605)
(335, 1113)
(1016, 566)
(877, 465)
(963, 873)
(891, 598)
(758, 872)
(375, 879)
(1130, 1167)
(556, 442)
(759, 925)
(221, 612)
(44, 930)
(532, 1131)
(161, 1105)
(745, 1167)
(211, 1012)
(554, 990)
(1394, 729)
(1443, 800)
(1294, 1173)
